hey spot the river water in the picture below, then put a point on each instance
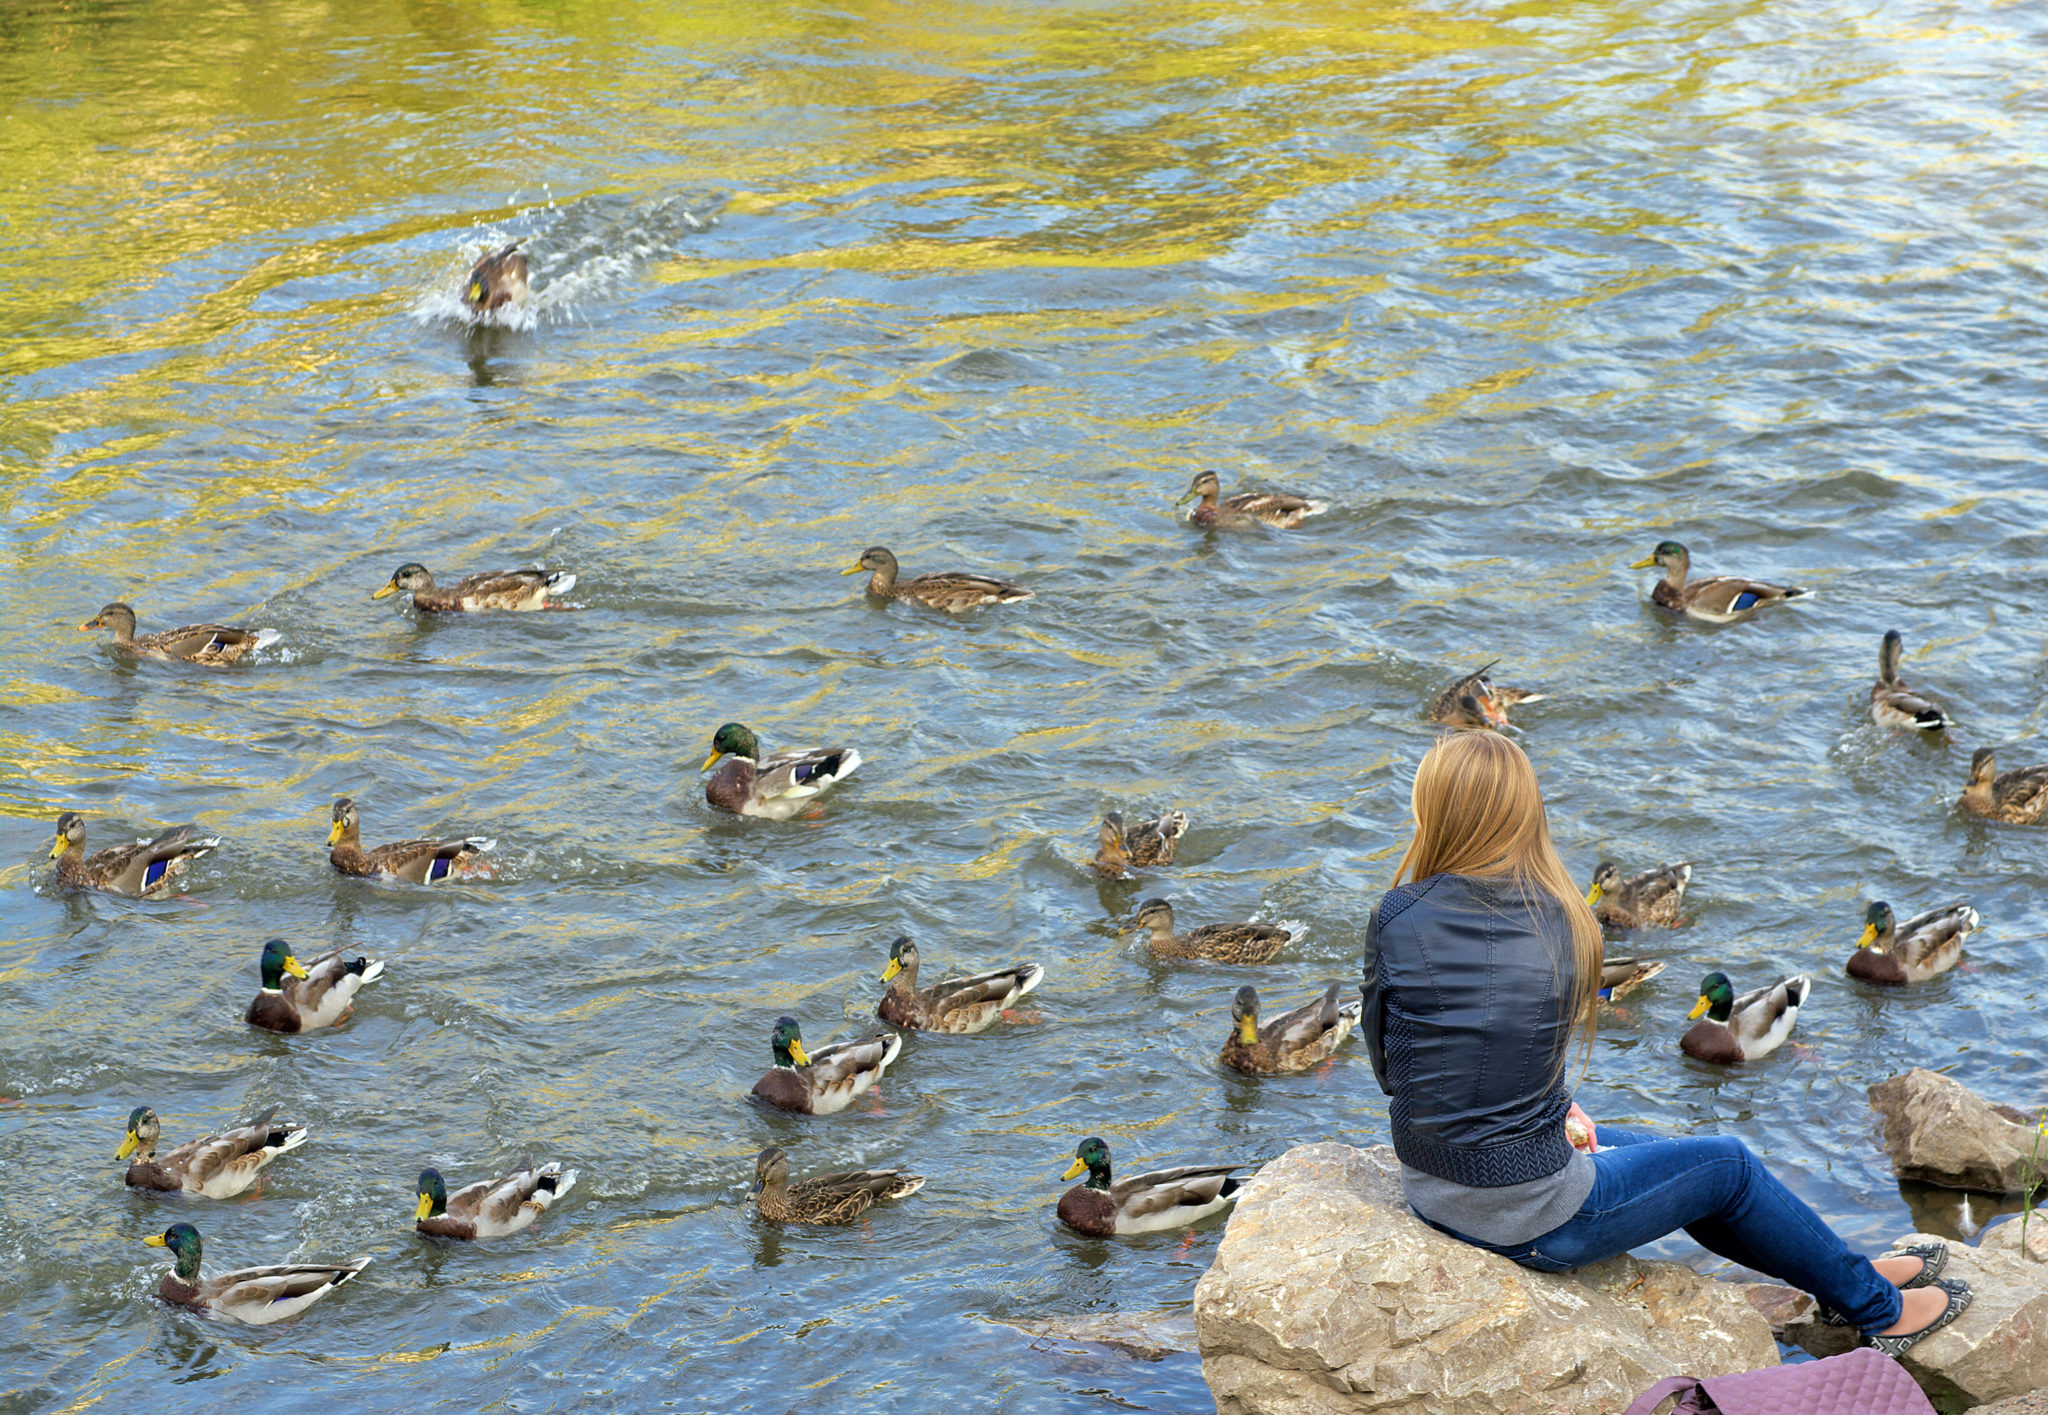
(1521, 289)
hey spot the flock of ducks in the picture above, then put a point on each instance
(744, 779)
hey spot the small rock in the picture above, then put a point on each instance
(1939, 1131)
(1327, 1297)
(1780, 1305)
(1995, 1350)
(2032, 1403)
(2006, 1238)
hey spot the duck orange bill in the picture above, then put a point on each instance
(1075, 1168)
(383, 590)
(92, 623)
(1699, 1009)
(1869, 936)
(423, 1208)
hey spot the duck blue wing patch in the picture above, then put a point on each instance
(1746, 600)
(438, 870)
(156, 871)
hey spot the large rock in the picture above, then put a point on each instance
(1328, 1296)
(1939, 1131)
(2035, 1403)
(1994, 1351)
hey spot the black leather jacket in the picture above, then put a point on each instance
(1468, 1014)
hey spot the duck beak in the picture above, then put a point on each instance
(58, 849)
(92, 623)
(892, 970)
(156, 1240)
(127, 1146)
(384, 591)
(754, 1189)
(710, 761)
(1185, 497)
(1075, 1168)
(1248, 1031)
(294, 967)
(476, 292)
(1699, 1009)
(424, 1207)
(1869, 936)
(1645, 563)
(798, 1054)
(1593, 896)
(854, 571)
(334, 835)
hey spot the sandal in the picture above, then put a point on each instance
(1933, 1258)
(1959, 1297)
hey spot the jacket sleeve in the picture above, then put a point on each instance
(1372, 1017)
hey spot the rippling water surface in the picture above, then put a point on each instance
(1521, 289)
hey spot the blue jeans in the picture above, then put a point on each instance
(1646, 1186)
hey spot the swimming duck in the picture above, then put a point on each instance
(1473, 701)
(414, 861)
(1718, 599)
(2017, 797)
(489, 1208)
(823, 1198)
(133, 870)
(1746, 1028)
(257, 1296)
(1120, 847)
(1892, 703)
(1293, 1041)
(213, 645)
(826, 1080)
(310, 998)
(1272, 508)
(958, 1005)
(497, 279)
(954, 591)
(1925, 945)
(490, 589)
(777, 787)
(1648, 900)
(1621, 976)
(216, 1167)
(1218, 943)
(1165, 1198)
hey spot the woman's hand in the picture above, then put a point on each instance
(1579, 1129)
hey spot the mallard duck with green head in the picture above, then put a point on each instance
(1120, 848)
(2017, 797)
(1214, 511)
(1147, 1203)
(776, 788)
(957, 1005)
(298, 998)
(1728, 1029)
(1293, 1041)
(210, 645)
(497, 279)
(1474, 701)
(1216, 943)
(1648, 900)
(414, 861)
(1924, 946)
(213, 1167)
(521, 591)
(955, 591)
(138, 871)
(489, 1208)
(824, 1081)
(256, 1296)
(1718, 599)
(1892, 703)
(823, 1198)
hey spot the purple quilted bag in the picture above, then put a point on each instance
(1859, 1382)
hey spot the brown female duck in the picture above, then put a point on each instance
(215, 1167)
(1474, 701)
(954, 591)
(1217, 943)
(133, 870)
(1121, 847)
(1271, 508)
(414, 861)
(497, 279)
(1892, 703)
(211, 645)
(518, 590)
(957, 1005)
(1648, 900)
(2017, 797)
(823, 1198)
(1293, 1041)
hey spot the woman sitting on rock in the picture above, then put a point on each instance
(1478, 972)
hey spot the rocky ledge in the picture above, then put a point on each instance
(1328, 1296)
(1939, 1131)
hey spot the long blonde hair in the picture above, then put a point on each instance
(1479, 812)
